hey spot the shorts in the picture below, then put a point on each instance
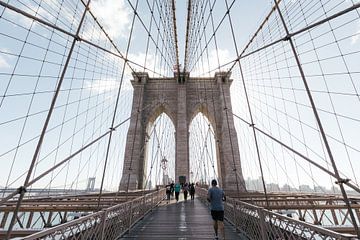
(217, 215)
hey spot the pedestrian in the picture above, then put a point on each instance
(168, 192)
(177, 191)
(216, 197)
(185, 191)
(192, 191)
(172, 185)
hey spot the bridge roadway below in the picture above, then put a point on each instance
(189, 219)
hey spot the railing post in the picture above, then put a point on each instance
(262, 223)
(152, 202)
(103, 219)
(234, 211)
(144, 207)
(130, 216)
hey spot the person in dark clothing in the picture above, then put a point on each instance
(192, 191)
(216, 197)
(168, 192)
(185, 190)
(172, 187)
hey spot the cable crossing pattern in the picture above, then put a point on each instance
(66, 98)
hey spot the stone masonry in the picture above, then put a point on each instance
(182, 98)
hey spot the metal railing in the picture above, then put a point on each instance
(258, 223)
(109, 223)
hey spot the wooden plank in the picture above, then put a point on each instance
(183, 220)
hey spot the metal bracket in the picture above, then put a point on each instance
(342, 181)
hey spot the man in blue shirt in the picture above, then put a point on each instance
(216, 197)
(177, 191)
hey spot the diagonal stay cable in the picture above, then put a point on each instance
(289, 35)
(40, 176)
(48, 24)
(357, 189)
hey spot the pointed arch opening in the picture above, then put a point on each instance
(203, 157)
(160, 150)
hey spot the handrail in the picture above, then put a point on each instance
(259, 223)
(108, 223)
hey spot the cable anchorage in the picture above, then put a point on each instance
(342, 181)
(21, 190)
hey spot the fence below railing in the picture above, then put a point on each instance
(109, 223)
(258, 223)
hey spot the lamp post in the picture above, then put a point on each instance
(163, 165)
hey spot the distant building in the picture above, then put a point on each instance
(335, 189)
(288, 188)
(272, 187)
(254, 184)
(320, 189)
(305, 188)
(90, 184)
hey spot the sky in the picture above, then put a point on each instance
(32, 59)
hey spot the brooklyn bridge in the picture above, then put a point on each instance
(104, 103)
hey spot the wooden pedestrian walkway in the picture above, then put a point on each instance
(189, 219)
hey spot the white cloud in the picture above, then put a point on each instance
(108, 87)
(224, 57)
(4, 63)
(139, 58)
(103, 85)
(355, 38)
(20, 19)
(3, 59)
(112, 84)
(114, 15)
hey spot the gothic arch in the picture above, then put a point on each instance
(149, 121)
(204, 109)
(157, 111)
(210, 116)
(181, 101)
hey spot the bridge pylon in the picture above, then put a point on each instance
(182, 97)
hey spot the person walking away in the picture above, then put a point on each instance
(177, 191)
(185, 190)
(216, 197)
(192, 191)
(168, 192)
(172, 186)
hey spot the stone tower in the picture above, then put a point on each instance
(182, 98)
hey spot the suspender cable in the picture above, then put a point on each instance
(248, 105)
(188, 25)
(22, 189)
(319, 123)
(175, 37)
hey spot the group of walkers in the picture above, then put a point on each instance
(215, 196)
(186, 188)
